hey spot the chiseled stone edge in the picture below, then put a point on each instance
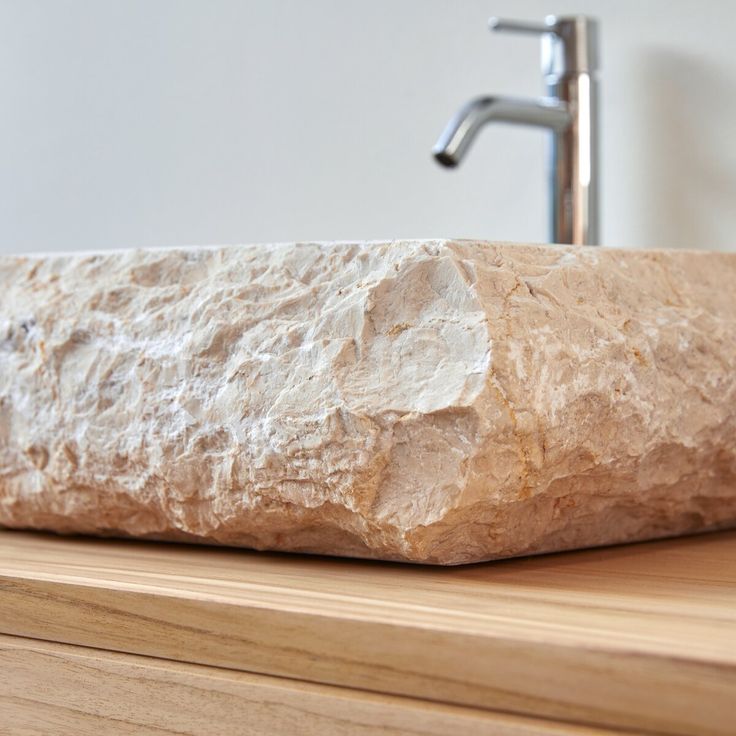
(593, 419)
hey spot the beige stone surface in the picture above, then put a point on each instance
(433, 401)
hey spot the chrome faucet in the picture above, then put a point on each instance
(569, 66)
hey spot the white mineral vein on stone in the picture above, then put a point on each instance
(438, 401)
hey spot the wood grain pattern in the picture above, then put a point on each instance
(642, 636)
(62, 689)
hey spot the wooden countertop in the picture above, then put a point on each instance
(637, 637)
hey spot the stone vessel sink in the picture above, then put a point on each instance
(429, 401)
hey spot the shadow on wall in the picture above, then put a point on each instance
(688, 166)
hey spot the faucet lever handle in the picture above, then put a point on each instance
(523, 26)
(569, 42)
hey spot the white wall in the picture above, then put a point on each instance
(166, 122)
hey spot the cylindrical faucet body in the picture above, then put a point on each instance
(574, 166)
(570, 66)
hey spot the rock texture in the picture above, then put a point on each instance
(439, 401)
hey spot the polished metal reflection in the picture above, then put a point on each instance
(569, 112)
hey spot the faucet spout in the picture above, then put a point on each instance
(462, 129)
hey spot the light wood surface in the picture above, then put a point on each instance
(48, 688)
(639, 637)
